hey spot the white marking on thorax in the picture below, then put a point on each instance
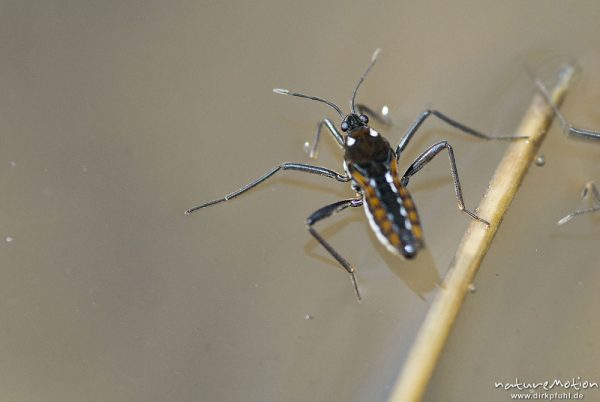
(350, 141)
(373, 132)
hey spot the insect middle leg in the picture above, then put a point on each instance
(326, 212)
(425, 158)
(284, 166)
(430, 112)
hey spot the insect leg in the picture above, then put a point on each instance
(568, 129)
(284, 166)
(430, 112)
(572, 215)
(312, 150)
(566, 126)
(425, 158)
(326, 212)
(590, 188)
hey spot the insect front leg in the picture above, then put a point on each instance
(326, 212)
(284, 166)
(430, 112)
(425, 158)
(312, 150)
(382, 118)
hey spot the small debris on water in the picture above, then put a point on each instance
(540, 160)
(309, 317)
(307, 147)
(9, 239)
(472, 288)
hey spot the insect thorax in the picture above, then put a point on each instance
(367, 152)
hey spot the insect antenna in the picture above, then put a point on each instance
(362, 78)
(333, 105)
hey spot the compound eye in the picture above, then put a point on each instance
(344, 126)
(364, 118)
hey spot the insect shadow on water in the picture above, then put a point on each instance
(590, 188)
(371, 167)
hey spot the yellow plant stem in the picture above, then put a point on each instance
(427, 348)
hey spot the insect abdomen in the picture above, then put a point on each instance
(392, 215)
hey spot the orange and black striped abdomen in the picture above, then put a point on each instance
(391, 211)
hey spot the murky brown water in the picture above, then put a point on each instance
(116, 116)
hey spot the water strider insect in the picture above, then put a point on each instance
(371, 165)
(590, 187)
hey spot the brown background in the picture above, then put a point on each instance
(116, 116)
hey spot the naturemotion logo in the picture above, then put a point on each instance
(550, 390)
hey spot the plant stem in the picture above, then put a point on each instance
(427, 348)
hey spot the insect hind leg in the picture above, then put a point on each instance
(326, 212)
